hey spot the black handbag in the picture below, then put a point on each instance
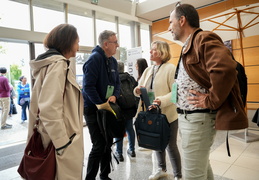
(14, 109)
(152, 129)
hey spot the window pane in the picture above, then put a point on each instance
(16, 54)
(125, 36)
(39, 49)
(47, 15)
(82, 20)
(145, 41)
(14, 14)
(104, 22)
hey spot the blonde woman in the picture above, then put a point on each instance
(158, 80)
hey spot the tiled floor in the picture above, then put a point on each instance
(242, 165)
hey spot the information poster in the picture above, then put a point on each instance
(132, 56)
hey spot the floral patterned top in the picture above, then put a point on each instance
(184, 84)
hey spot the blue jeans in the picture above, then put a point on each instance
(24, 106)
(131, 137)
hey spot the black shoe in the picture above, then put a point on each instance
(119, 156)
(131, 153)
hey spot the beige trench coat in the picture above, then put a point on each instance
(61, 113)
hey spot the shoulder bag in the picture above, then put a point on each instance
(38, 163)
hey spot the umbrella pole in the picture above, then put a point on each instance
(241, 49)
(240, 30)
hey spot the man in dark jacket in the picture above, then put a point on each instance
(100, 84)
(206, 91)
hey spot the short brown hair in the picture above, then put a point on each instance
(61, 38)
(190, 14)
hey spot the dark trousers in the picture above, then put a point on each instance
(101, 151)
(173, 152)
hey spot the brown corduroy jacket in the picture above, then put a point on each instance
(209, 63)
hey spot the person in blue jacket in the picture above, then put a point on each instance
(23, 89)
(100, 84)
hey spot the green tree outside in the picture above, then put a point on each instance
(15, 73)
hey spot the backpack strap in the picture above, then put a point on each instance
(101, 120)
(227, 144)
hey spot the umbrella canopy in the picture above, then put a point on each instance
(235, 23)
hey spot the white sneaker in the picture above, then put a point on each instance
(158, 174)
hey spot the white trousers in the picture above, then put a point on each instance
(197, 131)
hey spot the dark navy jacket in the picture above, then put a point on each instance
(99, 72)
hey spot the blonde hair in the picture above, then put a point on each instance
(163, 50)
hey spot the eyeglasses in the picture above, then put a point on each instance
(115, 42)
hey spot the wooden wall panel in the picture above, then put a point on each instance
(253, 93)
(223, 6)
(156, 38)
(251, 55)
(251, 41)
(252, 106)
(175, 50)
(174, 61)
(160, 26)
(252, 73)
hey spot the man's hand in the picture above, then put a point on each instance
(112, 99)
(198, 100)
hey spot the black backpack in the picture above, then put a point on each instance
(242, 80)
(127, 99)
(111, 124)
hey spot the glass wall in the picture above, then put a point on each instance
(125, 40)
(15, 55)
(145, 41)
(15, 14)
(47, 15)
(39, 49)
(83, 21)
(104, 22)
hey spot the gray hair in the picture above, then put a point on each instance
(120, 67)
(104, 36)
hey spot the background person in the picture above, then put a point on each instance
(57, 97)
(13, 109)
(101, 83)
(129, 109)
(158, 80)
(4, 98)
(23, 89)
(141, 65)
(206, 80)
